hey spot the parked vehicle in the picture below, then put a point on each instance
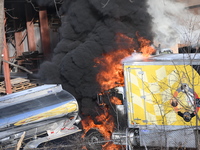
(161, 101)
(44, 113)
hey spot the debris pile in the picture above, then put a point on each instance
(17, 84)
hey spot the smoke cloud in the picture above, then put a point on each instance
(173, 23)
(89, 29)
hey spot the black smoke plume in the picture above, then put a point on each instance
(89, 29)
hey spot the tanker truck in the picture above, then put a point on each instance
(161, 100)
(43, 113)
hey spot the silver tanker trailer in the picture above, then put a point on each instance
(44, 113)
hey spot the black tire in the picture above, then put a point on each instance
(94, 140)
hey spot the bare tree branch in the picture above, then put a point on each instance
(35, 8)
(104, 5)
(10, 15)
(56, 8)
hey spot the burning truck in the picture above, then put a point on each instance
(157, 106)
(161, 101)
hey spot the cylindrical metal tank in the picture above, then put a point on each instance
(35, 108)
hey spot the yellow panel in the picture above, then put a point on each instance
(150, 90)
(61, 110)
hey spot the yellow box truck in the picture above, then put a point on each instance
(162, 101)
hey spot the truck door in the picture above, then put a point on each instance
(135, 95)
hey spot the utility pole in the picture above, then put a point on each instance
(2, 14)
(4, 49)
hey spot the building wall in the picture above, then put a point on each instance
(194, 5)
(191, 2)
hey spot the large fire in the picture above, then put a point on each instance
(105, 127)
(145, 47)
(110, 76)
(111, 73)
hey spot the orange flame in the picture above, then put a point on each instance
(115, 100)
(111, 146)
(105, 128)
(122, 38)
(145, 47)
(111, 74)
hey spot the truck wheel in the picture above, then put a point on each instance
(94, 140)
